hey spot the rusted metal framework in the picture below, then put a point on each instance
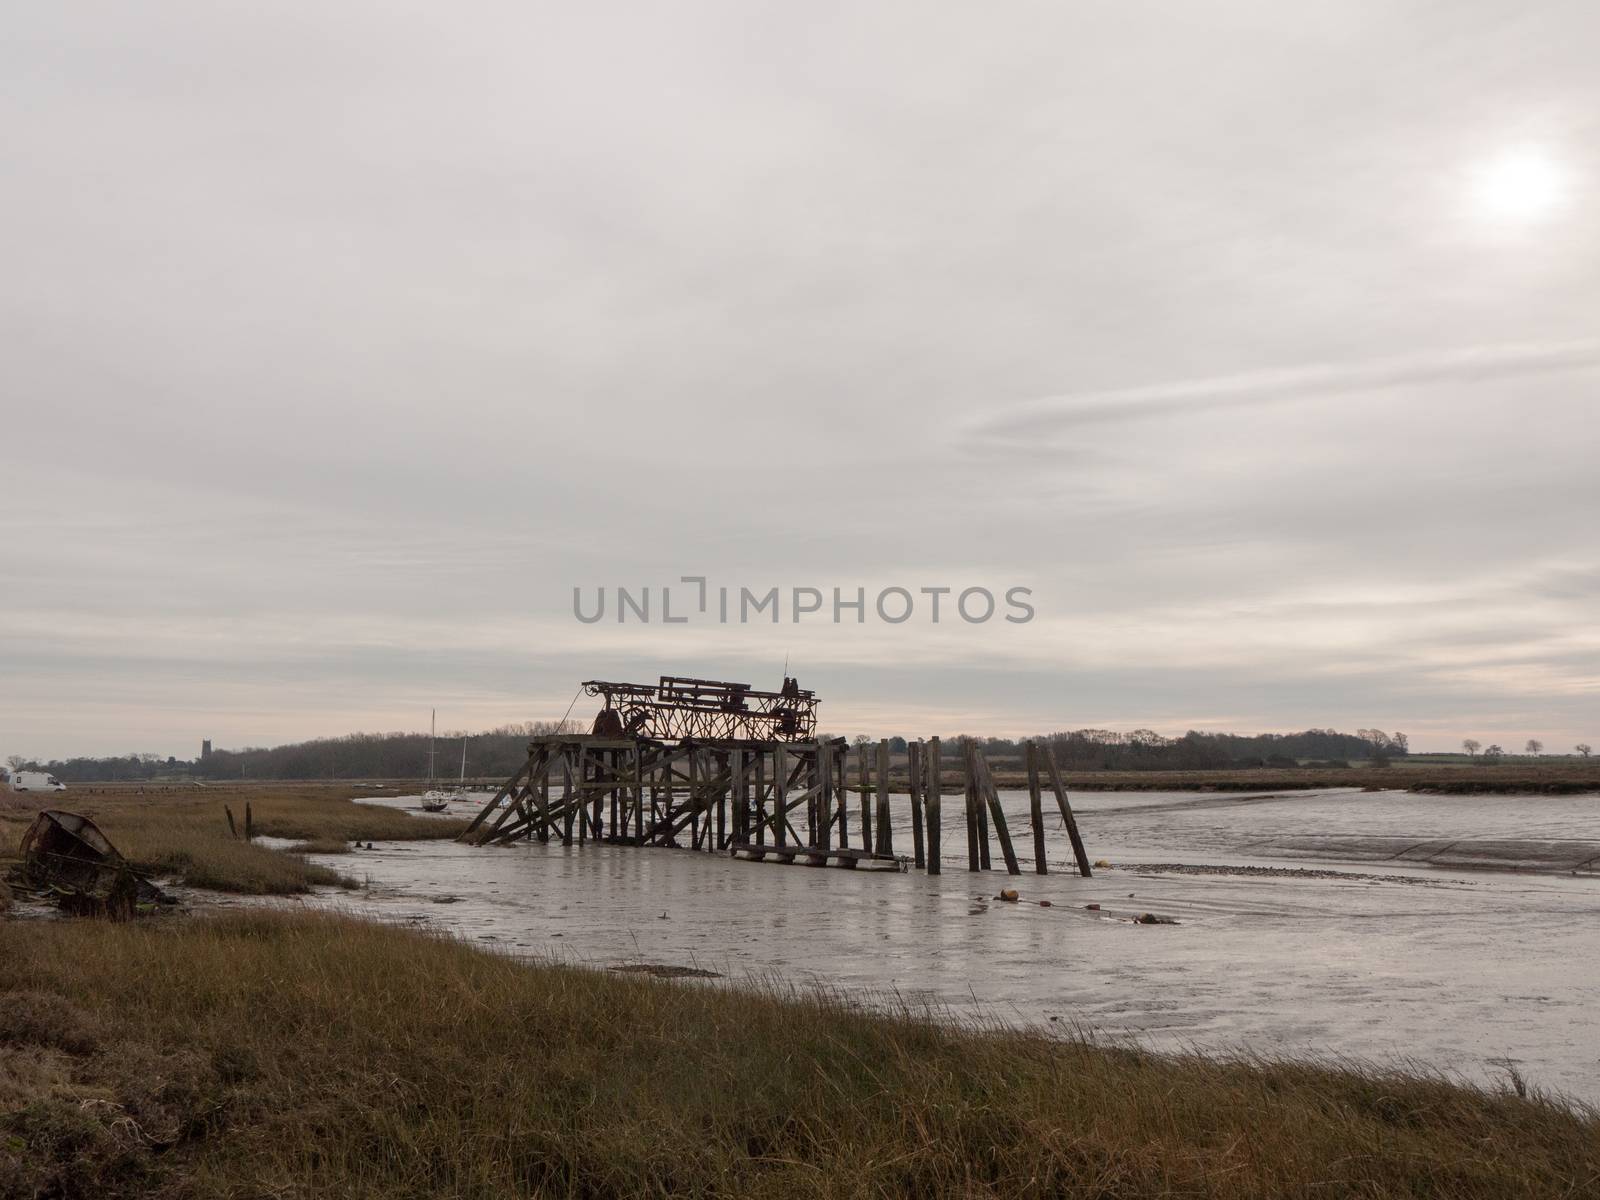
(679, 708)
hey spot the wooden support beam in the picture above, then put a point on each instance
(865, 771)
(761, 796)
(568, 795)
(780, 783)
(1036, 809)
(914, 786)
(934, 795)
(885, 829)
(824, 794)
(506, 789)
(1078, 851)
(1003, 834)
(840, 762)
(970, 763)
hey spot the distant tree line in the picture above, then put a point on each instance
(1146, 750)
(495, 754)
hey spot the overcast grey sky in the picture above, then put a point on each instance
(342, 341)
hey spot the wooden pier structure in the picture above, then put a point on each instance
(719, 767)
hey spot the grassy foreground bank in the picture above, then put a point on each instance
(278, 1054)
(183, 833)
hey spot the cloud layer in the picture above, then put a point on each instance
(341, 344)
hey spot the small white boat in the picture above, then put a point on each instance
(437, 799)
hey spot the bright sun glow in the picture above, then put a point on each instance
(1520, 186)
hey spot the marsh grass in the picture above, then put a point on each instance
(183, 833)
(294, 1054)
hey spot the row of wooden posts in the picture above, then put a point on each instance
(748, 797)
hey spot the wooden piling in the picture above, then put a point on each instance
(1036, 809)
(780, 796)
(233, 830)
(914, 786)
(970, 773)
(568, 798)
(885, 829)
(544, 800)
(760, 803)
(841, 765)
(1001, 833)
(934, 795)
(823, 774)
(1078, 851)
(983, 823)
(866, 797)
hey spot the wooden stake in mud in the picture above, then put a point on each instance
(935, 782)
(780, 796)
(970, 772)
(866, 798)
(885, 831)
(1078, 851)
(568, 798)
(578, 797)
(982, 810)
(1036, 809)
(694, 799)
(813, 794)
(914, 785)
(841, 795)
(761, 798)
(544, 800)
(823, 774)
(741, 813)
(1001, 833)
(724, 768)
(233, 830)
(249, 824)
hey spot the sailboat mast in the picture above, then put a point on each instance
(463, 778)
(433, 732)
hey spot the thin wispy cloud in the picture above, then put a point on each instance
(1026, 424)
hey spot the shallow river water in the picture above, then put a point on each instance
(1344, 948)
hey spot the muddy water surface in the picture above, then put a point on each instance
(1326, 952)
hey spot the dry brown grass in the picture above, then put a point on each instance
(183, 832)
(276, 1054)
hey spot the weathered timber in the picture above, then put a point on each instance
(885, 829)
(866, 797)
(1002, 834)
(1078, 850)
(1036, 810)
(914, 783)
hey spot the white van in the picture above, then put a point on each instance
(36, 781)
